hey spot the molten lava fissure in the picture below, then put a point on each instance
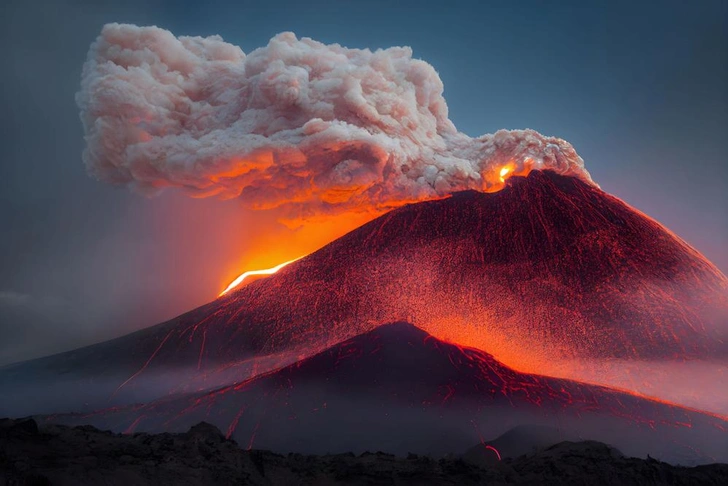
(250, 273)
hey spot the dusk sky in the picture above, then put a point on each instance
(638, 88)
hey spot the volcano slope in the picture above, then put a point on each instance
(401, 390)
(550, 275)
(548, 267)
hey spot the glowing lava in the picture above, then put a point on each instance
(250, 273)
(503, 173)
(489, 446)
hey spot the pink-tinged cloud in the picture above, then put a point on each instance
(312, 127)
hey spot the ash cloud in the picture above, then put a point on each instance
(313, 128)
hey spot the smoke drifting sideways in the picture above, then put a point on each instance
(309, 128)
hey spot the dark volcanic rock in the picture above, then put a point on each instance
(61, 455)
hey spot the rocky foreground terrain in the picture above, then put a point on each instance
(60, 455)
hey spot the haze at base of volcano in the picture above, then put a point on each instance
(398, 388)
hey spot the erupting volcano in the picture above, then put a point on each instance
(550, 275)
(534, 297)
(548, 264)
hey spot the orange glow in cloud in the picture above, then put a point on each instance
(272, 242)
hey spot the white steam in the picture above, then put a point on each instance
(317, 128)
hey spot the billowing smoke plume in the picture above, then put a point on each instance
(317, 128)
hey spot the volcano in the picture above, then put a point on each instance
(549, 267)
(550, 275)
(403, 390)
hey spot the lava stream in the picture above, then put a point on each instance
(249, 273)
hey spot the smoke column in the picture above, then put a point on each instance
(310, 128)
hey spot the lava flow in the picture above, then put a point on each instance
(250, 273)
